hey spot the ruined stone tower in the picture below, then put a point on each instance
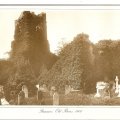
(30, 40)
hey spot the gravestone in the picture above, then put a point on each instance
(116, 80)
(56, 98)
(97, 92)
(1, 97)
(4, 101)
(25, 90)
(118, 91)
(21, 98)
(67, 89)
(45, 93)
(40, 97)
(101, 89)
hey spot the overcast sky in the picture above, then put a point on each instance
(64, 25)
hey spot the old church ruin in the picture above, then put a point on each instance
(30, 41)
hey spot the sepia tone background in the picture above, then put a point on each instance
(58, 53)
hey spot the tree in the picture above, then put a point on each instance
(107, 59)
(74, 65)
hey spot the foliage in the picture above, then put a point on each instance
(5, 70)
(73, 66)
(107, 59)
(79, 63)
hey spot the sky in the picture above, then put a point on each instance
(63, 26)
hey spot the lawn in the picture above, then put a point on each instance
(74, 98)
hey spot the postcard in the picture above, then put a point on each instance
(59, 61)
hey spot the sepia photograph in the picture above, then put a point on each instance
(59, 57)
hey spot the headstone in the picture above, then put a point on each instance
(67, 89)
(116, 80)
(25, 90)
(97, 92)
(101, 88)
(4, 102)
(40, 97)
(1, 96)
(21, 98)
(56, 98)
(118, 91)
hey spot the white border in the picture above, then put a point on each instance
(60, 2)
(61, 112)
(61, 8)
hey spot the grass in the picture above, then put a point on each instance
(76, 99)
